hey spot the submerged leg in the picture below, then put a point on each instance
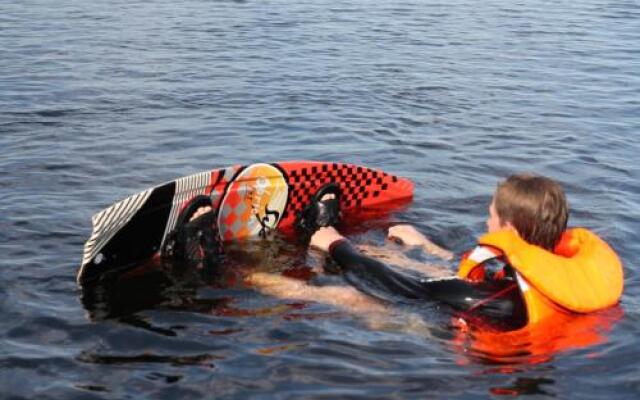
(344, 297)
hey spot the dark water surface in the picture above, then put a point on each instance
(101, 100)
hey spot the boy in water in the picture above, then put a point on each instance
(526, 268)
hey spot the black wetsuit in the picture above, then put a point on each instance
(497, 300)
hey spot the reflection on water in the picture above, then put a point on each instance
(538, 343)
(525, 386)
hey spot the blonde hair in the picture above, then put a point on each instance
(536, 206)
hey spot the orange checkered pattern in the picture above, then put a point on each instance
(360, 186)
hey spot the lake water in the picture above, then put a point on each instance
(102, 100)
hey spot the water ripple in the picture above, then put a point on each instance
(99, 101)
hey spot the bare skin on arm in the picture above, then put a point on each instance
(410, 236)
(397, 258)
(406, 234)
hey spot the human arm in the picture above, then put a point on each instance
(373, 277)
(391, 254)
(410, 236)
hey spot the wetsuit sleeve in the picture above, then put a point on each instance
(379, 280)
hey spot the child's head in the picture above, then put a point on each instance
(534, 206)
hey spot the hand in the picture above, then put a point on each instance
(408, 235)
(324, 237)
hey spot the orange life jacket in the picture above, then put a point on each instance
(582, 275)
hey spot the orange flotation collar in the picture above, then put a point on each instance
(582, 275)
